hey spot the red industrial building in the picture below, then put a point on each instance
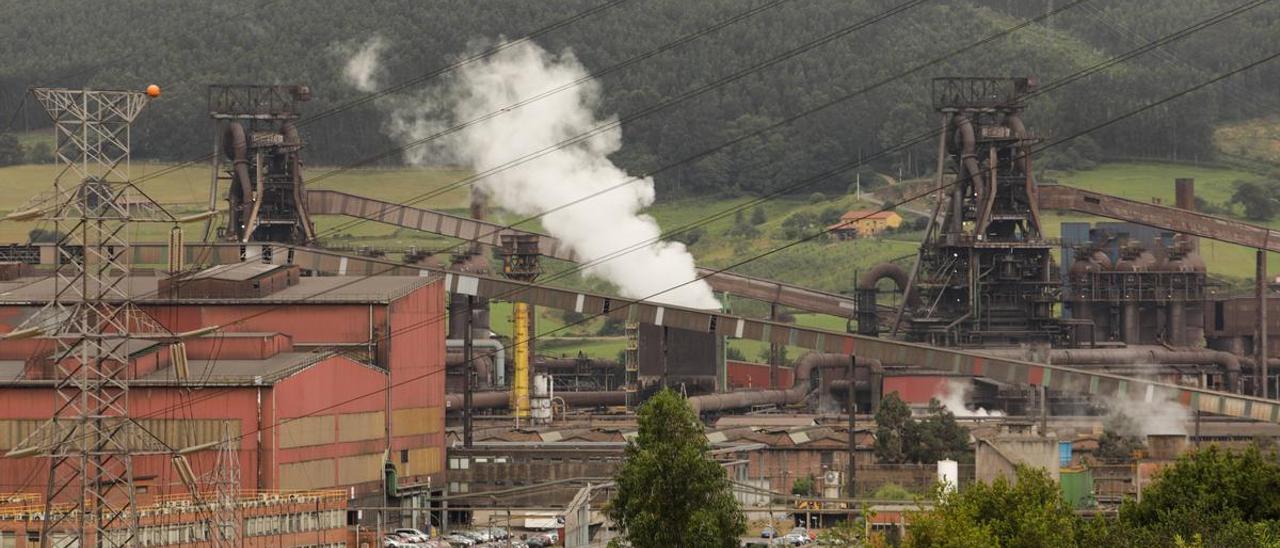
(323, 382)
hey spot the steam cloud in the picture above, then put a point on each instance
(362, 66)
(596, 228)
(957, 393)
(1161, 416)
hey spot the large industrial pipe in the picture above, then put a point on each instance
(1014, 123)
(800, 388)
(236, 145)
(499, 355)
(972, 171)
(868, 316)
(501, 399)
(291, 137)
(1134, 355)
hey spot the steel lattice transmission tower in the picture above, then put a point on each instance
(90, 438)
(226, 482)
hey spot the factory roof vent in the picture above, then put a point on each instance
(230, 281)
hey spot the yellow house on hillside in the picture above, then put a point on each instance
(863, 223)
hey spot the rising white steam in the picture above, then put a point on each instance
(599, 227)
(362, 68)
(955, 397)
(1161, 416)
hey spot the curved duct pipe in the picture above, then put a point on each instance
(235, 144)
(868, 316)
(291, 138)
(1135, 355)
(800, 388)
(1014, 123)
(501, 399)
(499, 355)
(972, 171)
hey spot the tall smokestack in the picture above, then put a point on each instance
(1185, 198)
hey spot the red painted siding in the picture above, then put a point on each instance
(917, 390)
(756, 375)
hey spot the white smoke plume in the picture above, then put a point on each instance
(955, 399)
(362, 68)
(596, 228)
(1161, 416)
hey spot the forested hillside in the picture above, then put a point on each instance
(186, 45)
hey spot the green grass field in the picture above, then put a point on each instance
(820, 263)
(1147, 182)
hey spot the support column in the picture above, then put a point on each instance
(1260, 342)
(852, 406)
(773, 350)
(468, 356)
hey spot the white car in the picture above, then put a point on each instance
(412, 535)
(459, 540)
(395, 541)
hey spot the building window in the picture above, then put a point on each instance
(404, 456)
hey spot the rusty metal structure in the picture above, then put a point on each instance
(91, 438)
(985, 275)
(255, 134)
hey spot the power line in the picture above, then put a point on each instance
(793, 243)
(690, 94)
(1098, 67)
(415, 80)
(853, 165)
(821, 233)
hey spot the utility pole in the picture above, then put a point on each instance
(1260, 343)
(468, 356)
(851, 403)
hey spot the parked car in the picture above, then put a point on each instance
(795, 539)
(456, 539)
(769, 532)
(395, 541)
(412, 535)
(498, 533)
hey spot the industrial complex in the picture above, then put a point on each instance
(241, 385)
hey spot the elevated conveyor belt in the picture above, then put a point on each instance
(332, 202)
(1168, 218)
(886, 350)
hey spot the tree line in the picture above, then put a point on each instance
(186, 47)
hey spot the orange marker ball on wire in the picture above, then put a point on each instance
(153, 91)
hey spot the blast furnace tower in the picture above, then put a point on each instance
(985, 274)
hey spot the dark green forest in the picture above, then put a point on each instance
(184, 46)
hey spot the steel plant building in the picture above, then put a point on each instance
(325, 383)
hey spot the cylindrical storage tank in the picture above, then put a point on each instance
(540, 402)
(1194, 332)
(1134, 261)
(949, 475)
(1080, 277)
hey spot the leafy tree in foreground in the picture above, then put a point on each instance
(901, 438)
(1212, 497)
(668, 492)
(1029, 512)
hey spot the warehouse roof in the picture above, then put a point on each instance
(234, 271)
(328, 289)
(252, 372)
